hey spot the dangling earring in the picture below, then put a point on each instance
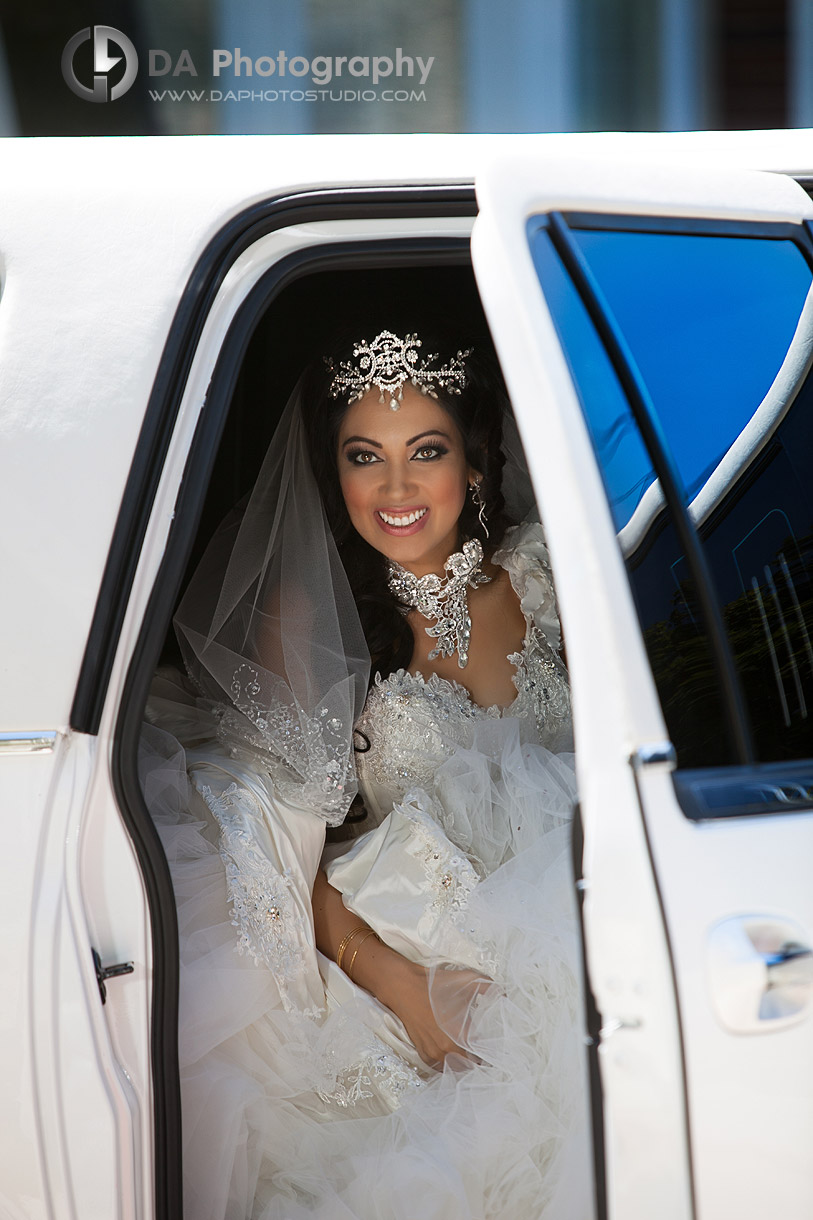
(479, 503)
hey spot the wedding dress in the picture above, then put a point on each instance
(302, 1095)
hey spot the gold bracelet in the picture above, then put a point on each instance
(366, 936)
(353, 932)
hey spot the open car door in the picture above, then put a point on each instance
(655, 327)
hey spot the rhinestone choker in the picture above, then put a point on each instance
(445, 600)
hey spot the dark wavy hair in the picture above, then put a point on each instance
(478, 412)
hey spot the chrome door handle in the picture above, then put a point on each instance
(760, 973)
(792, 964)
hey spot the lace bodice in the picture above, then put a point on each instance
(414, 723)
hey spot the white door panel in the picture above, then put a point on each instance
(750, 1093)
(24, 783)
(69, 1156)
(657, 885)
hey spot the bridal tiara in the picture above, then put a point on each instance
(389, 362)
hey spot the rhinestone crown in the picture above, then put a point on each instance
(389, 362)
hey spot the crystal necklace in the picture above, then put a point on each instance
(445, 600)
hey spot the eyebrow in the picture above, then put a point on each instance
(377, 445)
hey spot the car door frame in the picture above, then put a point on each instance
(601, 618)
(100, 698)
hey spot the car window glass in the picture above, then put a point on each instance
(690, 704)
(709, 322)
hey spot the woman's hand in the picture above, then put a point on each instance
(432, 1023)
(401, 985)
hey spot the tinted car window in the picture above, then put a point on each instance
(719, 329)
(709, 321)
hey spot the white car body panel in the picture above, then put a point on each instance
(98, 239)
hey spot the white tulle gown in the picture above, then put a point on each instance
(302, 1095)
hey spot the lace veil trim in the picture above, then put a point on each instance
(271, 637)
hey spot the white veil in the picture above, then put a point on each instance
(270, 633)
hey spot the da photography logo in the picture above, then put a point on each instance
(103, 63)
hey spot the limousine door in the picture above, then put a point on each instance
(656, 334)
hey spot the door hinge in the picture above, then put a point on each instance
(103, 973)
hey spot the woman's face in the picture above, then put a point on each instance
(404, 476)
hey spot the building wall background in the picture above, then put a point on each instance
(520, 65)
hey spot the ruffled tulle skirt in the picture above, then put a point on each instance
(293, 1109)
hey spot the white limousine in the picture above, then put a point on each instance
(650, 300)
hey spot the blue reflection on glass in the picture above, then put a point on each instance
(624, 461)
(709, 321)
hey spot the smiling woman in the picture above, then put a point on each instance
(366, 625)
(399, 483)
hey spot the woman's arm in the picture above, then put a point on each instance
(401, 985)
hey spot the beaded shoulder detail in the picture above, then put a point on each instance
(541, 678)
(525, 557)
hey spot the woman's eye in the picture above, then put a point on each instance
(362, 457)
(428, 452)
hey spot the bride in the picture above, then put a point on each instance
(372, 646)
